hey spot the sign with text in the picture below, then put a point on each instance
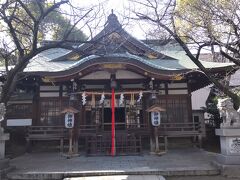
(69, 120)
(156, 118)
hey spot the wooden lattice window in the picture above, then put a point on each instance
(177, 108)
(19, 111)
(50, 112)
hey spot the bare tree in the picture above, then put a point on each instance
(216, 25)
(21, 33)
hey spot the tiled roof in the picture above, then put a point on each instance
(165, 57)
(46, 61)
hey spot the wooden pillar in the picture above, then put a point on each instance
(70, 150)
(61, 145)
(152, 139)
(152, 145)
(75, 131)
(200, 140)
(156, 139)
(166, 143)
(29, 146)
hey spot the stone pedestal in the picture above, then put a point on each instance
(230, 146)
(3, 137)
(4, 163)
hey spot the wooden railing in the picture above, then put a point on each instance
(46, 132)
(128, 140)
(168, 129)
(171, 129)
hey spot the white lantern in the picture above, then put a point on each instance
(69, 120)
(155, 118)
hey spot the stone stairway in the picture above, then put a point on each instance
(181, 162)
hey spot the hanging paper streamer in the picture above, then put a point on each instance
(121, 99)
(102, 98)
(140, 96)
(132, 99)
(84, 96)
(93, 101)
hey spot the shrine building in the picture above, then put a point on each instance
(117, 79)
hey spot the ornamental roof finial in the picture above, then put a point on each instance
(113, 20)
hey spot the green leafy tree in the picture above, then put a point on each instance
(212, 110)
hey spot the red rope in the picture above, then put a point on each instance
(113, 123)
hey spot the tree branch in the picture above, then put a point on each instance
(27, 10)
(235, 60)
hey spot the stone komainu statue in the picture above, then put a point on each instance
(2, 111)
(231, 117)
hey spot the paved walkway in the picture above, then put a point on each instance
(121, 177)
(55, 166)
(152, 177)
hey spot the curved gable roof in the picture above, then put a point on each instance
(114, 44)
(114, 39)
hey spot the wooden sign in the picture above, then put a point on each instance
(155, 118)
(69, 120)
(112, 66)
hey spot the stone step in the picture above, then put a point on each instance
(62, 175)
(120, 177)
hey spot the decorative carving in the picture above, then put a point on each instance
(231, 117)
(235, 145)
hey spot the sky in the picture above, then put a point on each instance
(120, 8)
